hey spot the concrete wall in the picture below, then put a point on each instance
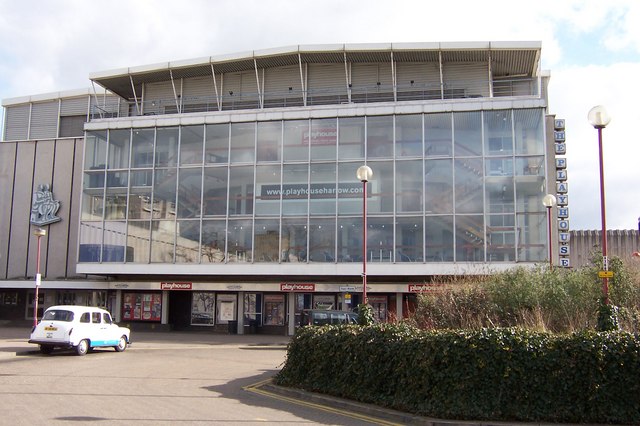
(23, 167)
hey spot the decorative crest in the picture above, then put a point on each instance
(44, 207)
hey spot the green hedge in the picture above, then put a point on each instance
(490, 374)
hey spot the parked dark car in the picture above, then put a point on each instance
(325, 317)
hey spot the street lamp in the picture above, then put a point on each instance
(364, 174)
(39, 233)
(549, 201)
(599, 119)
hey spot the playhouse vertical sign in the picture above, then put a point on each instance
(562, 192)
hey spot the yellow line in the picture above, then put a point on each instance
(255, 388)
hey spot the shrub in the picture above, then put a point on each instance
(487, 374)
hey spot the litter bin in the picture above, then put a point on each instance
(233, 327)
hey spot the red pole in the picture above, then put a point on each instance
(549, 238)
(35, 301)
(364, 242)
(605, 259)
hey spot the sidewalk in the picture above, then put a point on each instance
(14, 339)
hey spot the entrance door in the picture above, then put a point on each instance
(179, 309)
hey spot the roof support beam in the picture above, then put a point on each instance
(260, 98)
(175, 94)
(490, 75)
(215, 86)
(302, 80)
(347, 76)
(441, 75)
(135, 96)
(95, 96)
(393, 78)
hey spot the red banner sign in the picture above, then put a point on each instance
(297, 287)
(176, 286)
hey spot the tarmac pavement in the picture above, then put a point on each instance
(203, 346)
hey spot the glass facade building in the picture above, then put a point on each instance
(222, 192)
(447, 187)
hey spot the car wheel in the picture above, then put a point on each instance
(83, 347)
(122, 344)
(46, 349)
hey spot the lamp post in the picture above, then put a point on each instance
(599, 119)
(549, 201)
(363, 174)
(39, 233)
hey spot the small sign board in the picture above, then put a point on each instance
(605, 274)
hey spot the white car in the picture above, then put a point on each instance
(78, 327)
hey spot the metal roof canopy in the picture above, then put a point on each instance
(507, 59)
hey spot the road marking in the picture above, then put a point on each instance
(255, 388)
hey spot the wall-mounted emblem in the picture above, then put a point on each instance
(44, 207)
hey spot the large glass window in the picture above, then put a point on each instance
(239, 243)
(437, 135)
(352, 131)
(467, 134)
(167, 146)
(116, 195)
(269, 141)
(529, 131)
(189, 192)
(296, 140)
(470, 238)
(191, 140)
(468, 187)
(323, 138)
(142, 148)
(274, 309)
(217, 143)
(501, 241)
(164, 194)
(243, 142)
(188, 241)
(294, 240)
(409, 135)
(163, 235)
(95, 153)
(322, 189)
(350, 239)
(295, 190)
(409, 186)
(409, 239)
(531, 234)
(241, 190)
(213, 241)
(267, 240)
(380, 136)
(322, 240)
(114, 243)
(381, 188)
(380, 239)
(140, 194)
(439, 238)
(268, 195)
(138, 234)
(438, 178)
(498, 135)
(215, 191)
(202, 308)
(119, 149)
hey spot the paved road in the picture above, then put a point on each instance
(162, 378)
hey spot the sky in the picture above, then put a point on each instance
(591, 49)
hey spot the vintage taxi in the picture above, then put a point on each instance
(80, 328)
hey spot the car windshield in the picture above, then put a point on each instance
(58, 315)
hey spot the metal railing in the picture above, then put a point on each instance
(230, 101)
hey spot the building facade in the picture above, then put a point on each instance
(223, 190)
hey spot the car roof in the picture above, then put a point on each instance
(76, 308)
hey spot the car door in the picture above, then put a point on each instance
(111, 331)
